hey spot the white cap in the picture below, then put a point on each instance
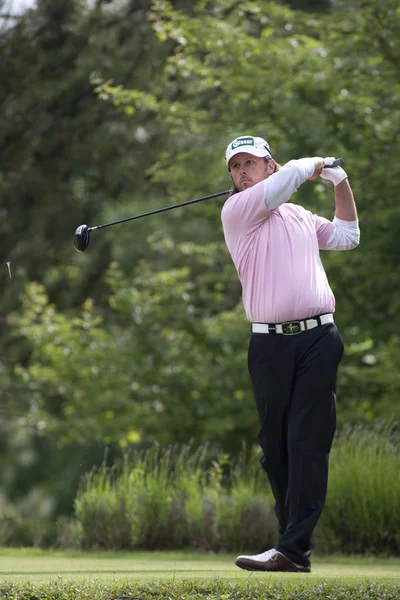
(247, 143)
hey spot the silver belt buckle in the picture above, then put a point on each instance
(291, 328)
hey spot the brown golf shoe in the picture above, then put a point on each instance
(271, 560)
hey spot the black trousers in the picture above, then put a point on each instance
(294, 382)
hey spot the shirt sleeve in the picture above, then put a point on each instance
(345, 235)
(324, 229)
(280, 186)
(246, 210)
(336, 234)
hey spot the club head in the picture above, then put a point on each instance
(82, 238)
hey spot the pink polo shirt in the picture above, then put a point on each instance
(276, 252)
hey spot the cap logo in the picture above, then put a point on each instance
(248, 141)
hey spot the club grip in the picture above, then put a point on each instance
(338, 163)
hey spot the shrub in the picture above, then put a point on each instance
(174, 498)
(102, 512)
(17, 528)
(160, 499)
(362, 509)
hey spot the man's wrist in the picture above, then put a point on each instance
(335, 175)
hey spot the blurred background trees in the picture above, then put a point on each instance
(109, 109)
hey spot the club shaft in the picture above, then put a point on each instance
(337, 163)
(160, 210)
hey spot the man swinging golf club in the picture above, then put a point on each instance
(295, 348)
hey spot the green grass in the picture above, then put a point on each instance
(40, 566)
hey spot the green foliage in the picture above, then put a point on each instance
(64, 154)
(170, 499)
(172, 348)
(310, 84)
(16, 529)
(66, 158)
(362, 514)
(71, 358)
(117, 108)
(102, 503)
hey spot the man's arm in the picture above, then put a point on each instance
(247, 209)
(280, 186)
(345, 205)
(346, 231)
(346, 209)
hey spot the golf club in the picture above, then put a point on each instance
(82, 233)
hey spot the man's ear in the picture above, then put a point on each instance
(271, 166)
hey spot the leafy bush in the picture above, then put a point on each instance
(177, 498)
(101, 508)
(362, 510)
(19, 529)
(168, 498)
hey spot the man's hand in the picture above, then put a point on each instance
(335, 175)
(318, 166)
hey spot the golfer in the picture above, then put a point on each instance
(295, 348)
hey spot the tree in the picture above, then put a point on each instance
(312, 86)
(65, 158)
(117, 124)
(169, 369)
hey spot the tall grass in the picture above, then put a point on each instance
(104, 520)
(178, 498)
(141, 503)
(247, 519)
(362, 512)
(174, 498)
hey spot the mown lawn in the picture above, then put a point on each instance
(38, 566)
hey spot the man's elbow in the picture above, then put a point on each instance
(353, 239)
(352, 242)
(342, 241)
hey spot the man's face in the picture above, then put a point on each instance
(246, 170)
